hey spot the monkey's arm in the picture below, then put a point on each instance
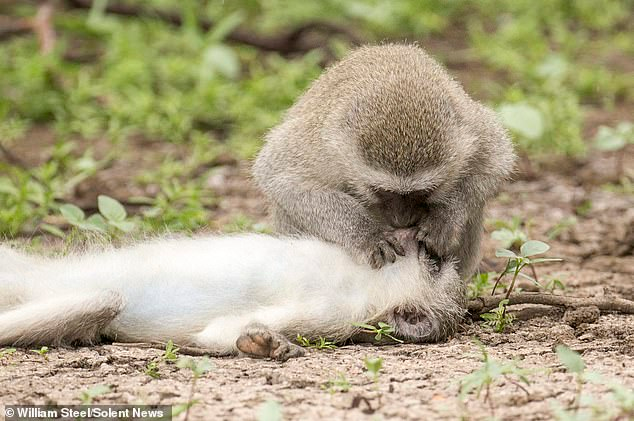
(452, 228)
(334, 216)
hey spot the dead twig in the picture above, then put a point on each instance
(482, 305)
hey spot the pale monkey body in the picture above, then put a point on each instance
(207, 292)
(386, 139)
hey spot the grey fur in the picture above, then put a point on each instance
(386, 119)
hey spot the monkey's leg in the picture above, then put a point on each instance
(259, 341)
(230, 334)
(71, 319)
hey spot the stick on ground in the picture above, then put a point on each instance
(481, 305)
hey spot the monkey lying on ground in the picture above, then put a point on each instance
(247, 293)
(386, 139)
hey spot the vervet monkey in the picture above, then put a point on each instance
(386, 139)
(249, 293)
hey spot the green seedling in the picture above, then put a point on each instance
(498, 319)
(480, 283)
(319, 343)
(560, 227)
(491, 372)
(198, 368)
(514, 265)
(373, 367)
(87, 396)
(618, 406)
(554, 284)
(338, 384)
(583, 209)
(516, 262)
(43, 352)
(152, 370)
(509, 234)
(112, 217)
(574, 364)
(383, 329)
(171, 351)
(270, 411)
(615, 139)
(5, 352)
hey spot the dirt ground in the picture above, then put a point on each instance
(417, 381)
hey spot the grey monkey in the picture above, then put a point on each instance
(386, 139)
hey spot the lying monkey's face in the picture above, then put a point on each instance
(399, 210)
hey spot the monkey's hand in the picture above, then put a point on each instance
(441, 230)
(384, 247)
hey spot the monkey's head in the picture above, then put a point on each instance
(409, 145)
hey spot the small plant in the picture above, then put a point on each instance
(383, 329)
(373, 367)
(112, 217)
(560, 227)
(171, 351)
(338, 384)
(479, 284)
(583, 209)
(619, 406)
(574, 364)
(43, 352)
(490, 372)
(554, 284)
(198, 368)
(152, 370)
(87, 396)
(615, 139)
(319, 343)
(5, 352)
(509, 234)
(498, 319)
(517, 262)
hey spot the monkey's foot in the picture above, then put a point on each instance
(260, 342)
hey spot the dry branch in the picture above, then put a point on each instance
(481, 305)
(292, 41)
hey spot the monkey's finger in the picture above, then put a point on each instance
(396, 245)
(376, 259)
(389, 255)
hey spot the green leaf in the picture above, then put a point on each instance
(553, 67)
(571, 359)
(125, 226)
(614, 139)
(219, 59)
(52, 229)
(364, 326)
(505, 253)
(545, 259)
(180, 408)
(270, 411)
(7, 187)
(533, 247)
(111, 208)
(97, 223)
(524, 119)
(72, 213)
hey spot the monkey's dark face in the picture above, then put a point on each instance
(399, 210)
